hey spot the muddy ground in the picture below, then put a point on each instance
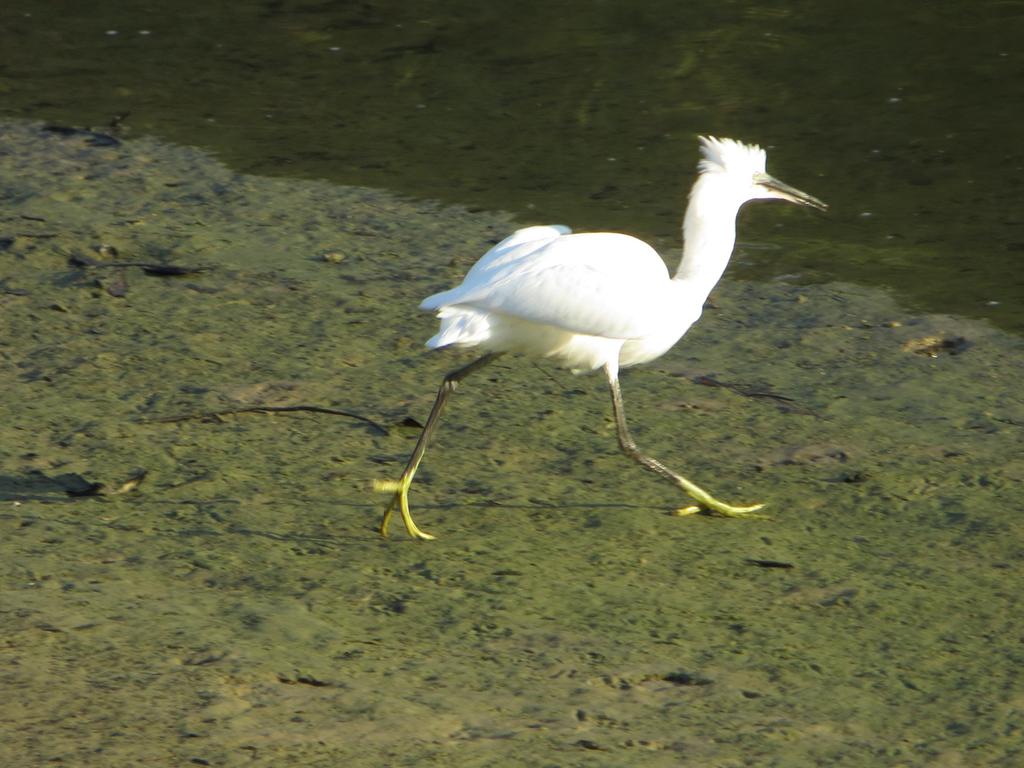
(187, 579)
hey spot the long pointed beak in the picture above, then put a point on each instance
(786, 192)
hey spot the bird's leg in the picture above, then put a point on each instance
(704, 499)
(400, 488)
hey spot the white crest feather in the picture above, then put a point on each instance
(730, 156)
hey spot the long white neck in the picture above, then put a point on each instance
(709, 234)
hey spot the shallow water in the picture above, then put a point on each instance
(900, 115)
(237, 607)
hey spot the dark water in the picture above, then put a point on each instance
(901, 115)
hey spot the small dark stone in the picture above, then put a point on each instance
(768, 563)
(685, 678)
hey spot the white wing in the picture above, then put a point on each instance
(512, 247)
(596, 283)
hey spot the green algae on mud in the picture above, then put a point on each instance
(237, 606)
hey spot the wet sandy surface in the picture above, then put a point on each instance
(234, 605)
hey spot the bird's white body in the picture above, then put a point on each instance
(580, 299)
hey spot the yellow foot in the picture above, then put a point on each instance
(400, 499)
(708, 503)
(721, 509)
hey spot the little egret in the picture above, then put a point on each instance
(597, 300)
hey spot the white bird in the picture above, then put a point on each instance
(597, 300)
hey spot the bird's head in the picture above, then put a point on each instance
(738, 169)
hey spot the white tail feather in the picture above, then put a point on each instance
(460, 326)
